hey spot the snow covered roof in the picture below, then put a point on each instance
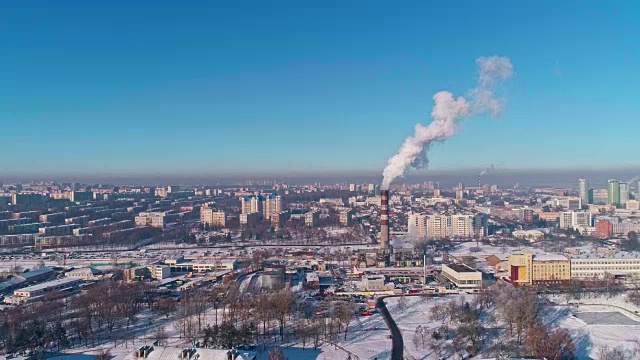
(549, 257)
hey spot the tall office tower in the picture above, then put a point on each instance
(624, 193)
(372, 188)
(583, 190)
(613, 192)
(352, 187)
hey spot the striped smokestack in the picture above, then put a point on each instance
(384, 219)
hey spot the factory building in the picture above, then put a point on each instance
(463, 277)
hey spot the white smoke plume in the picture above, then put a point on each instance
(446, 112)
(487, 170)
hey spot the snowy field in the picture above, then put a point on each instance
(415, 312)
(593, 324)
(598, 322)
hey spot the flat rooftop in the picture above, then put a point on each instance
(50, 284)
(460, 268)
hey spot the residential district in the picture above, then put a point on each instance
(270, 270)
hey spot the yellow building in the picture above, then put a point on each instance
(527, 268)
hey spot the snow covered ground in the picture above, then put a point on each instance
(598, 322)
(593, 323)
(415, 312)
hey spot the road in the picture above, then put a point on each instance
(397, 344)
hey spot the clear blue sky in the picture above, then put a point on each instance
(301, 86)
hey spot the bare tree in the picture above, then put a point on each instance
(606, 353)
(276, 354)
(544, 343)
(345, 314)
(160, 335)
(282, 302)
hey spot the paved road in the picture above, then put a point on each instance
(397, 349)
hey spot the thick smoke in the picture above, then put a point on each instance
(446, 112)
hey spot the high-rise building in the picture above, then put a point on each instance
(311, 218)
(272, 206)
(251, 204)
(446, 226)
(575, 219)
(417, 225)
(278, 220)
(346, 217)
(583, 190)
(613, 192)
(624, 193)
(372, 188)
(352, 187)
(604, 229)
(480, 225)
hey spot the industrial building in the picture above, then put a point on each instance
(528, 269)
(182, 265)
(462, 277)
(44, 288)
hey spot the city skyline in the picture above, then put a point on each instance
(308, 90)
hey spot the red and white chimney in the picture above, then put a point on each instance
(384, 219)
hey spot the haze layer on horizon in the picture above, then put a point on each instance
(446, 178)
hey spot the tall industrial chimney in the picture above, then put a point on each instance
(384, 219)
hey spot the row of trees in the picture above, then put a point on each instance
(56, 323)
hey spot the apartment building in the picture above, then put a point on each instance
(213, 217)
(156, 219)
(311, 218)
(346, 217)
(251, 204)
(278, 220)
(272, 206)
(250, 219)
(447, 226)
(575, 219)
(55, 218)
(58, 230)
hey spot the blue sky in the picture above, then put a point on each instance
(255, 86)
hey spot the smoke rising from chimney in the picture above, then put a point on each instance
(486, 171)
(446, 112)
